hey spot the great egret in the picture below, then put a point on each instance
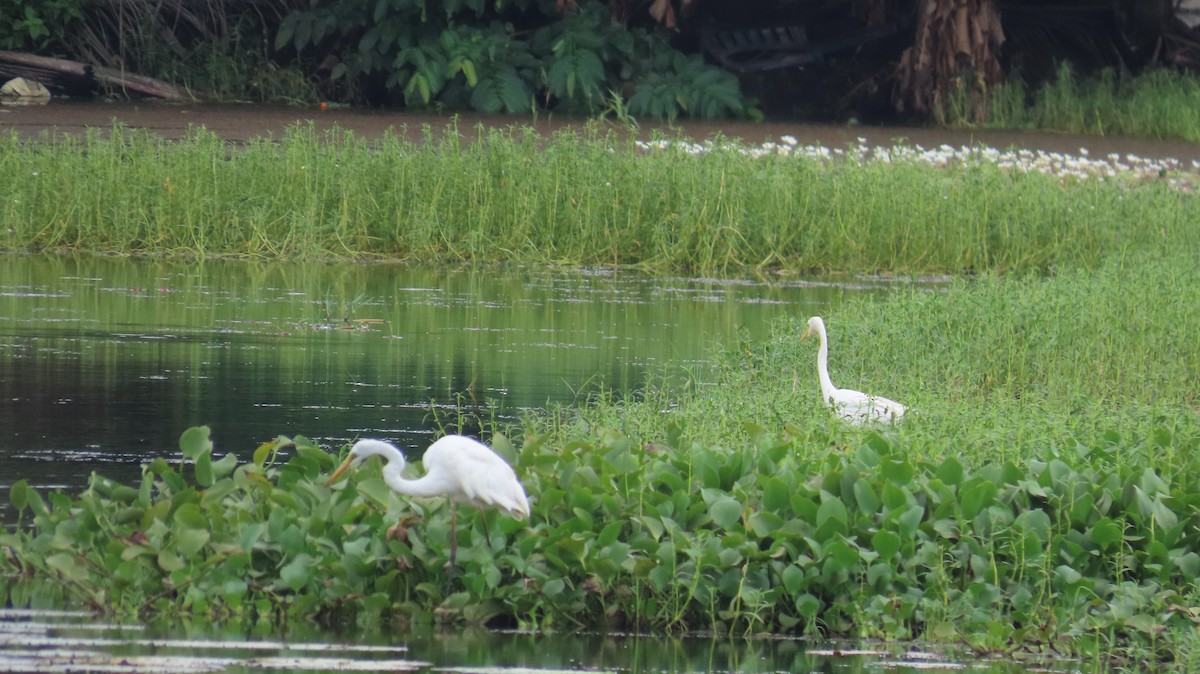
(460, 468)
(856, 407)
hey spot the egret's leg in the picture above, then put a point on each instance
(453, 532)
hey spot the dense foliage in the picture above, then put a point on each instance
(511, 56)
(27, 24)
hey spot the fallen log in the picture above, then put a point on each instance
(74, 78)
(125, 82)
(58, 75)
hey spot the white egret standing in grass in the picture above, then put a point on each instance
(856, 407)
(462, 469)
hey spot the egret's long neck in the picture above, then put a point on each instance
(827, 387)
(421, 486)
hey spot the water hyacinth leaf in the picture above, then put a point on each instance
(865, 497)
(793, 579)
(204, 469)
(375, 489)
(950, 472)
(1164, 517)
(1188, 562)
(808, 606)
(189, 516)
(1067, 576)
(1106, 533)
(899, 471)
(169, 561)
(831, 508)
(195, 441)
(886, 543)
(1036, 522)
(726, 512)
(776, 495)
(65, 564)
(608, 535)
(879, 572)
(225, 466)
(895, 497)
(21, 495)
(976, 497)
(295, 574)
(910, 521)
(844, 553)
(1152, 484)
(764, 524)
(190, 541)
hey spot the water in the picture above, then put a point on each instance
(105, 361)
(65, 642)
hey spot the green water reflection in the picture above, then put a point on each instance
(66, 642)
(104, 361)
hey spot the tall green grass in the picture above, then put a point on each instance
(997, 368)
(491, 195)
(1156, 104)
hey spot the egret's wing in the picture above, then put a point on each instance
(859, 408)
(483, 478)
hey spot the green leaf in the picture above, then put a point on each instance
(726, 512)
(295, 574)
(169, 561)
(886, 543)
(776, 496)
(195, 441)
(190, 541)
(65, 564)
(865, 496)
(224, 467)
(204, 469)
(1106, 533)
(793, 579)
(831, 508)
(950, 472)
(976, 497)
(189, 516)
(899, 471)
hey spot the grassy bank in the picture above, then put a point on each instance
(1042, 498)
(497, 196)
(1155, 104)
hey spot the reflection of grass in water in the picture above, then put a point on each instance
(338, 313)
(587, 199)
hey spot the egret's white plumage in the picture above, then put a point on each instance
(460, 468)
(856, 407)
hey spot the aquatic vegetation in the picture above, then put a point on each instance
(587, 198)
(675, 535)
(1043, 498)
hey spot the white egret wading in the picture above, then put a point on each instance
(462, 469)
(856, 407)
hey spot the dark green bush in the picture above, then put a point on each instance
(509, 56)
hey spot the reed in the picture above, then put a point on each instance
(1155, 104)
(999, 368)
(585, 198)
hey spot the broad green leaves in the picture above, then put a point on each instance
(866, 542)
(577, 61)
